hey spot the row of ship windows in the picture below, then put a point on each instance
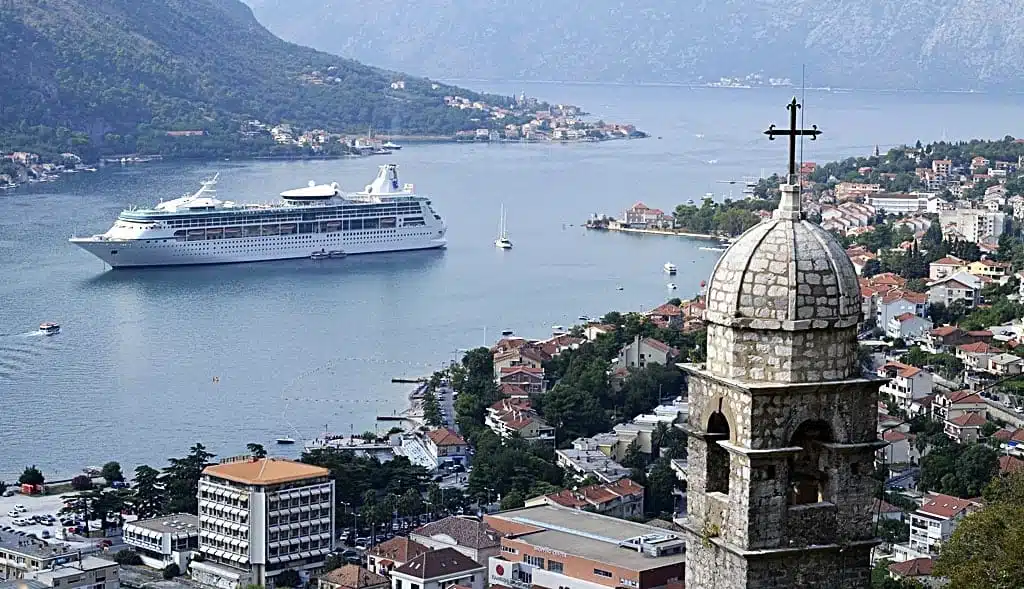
(292, 229)
(377, 237)
(200, 221)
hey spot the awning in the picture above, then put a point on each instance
(235, 526)
(305, 554)
(274, 559)
(305, 493)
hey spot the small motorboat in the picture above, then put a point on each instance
(321, 255)
(49, 328)
(507, 332)
(285, 440)
(670, 268)
(336, 254)
(671, 285)
(714, 249)
(391, 145)
(558, 328)
(583, 318)
(618, 288)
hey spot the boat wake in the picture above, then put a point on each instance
(18, 357)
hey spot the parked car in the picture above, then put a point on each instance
(46, 533)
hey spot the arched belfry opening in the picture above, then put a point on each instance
(808, 473)
(718, 457)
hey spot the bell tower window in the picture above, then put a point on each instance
(718, 457)
(808, 475)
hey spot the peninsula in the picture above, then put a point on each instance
(203, 80)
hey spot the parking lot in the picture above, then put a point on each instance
(34, 506)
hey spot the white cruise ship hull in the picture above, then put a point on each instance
(140, 253)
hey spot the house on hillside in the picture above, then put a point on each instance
(932, 525)
(667, 315)
(446, 446)
(907, 326)
(906, 383)
(965, 429)
(946, 266)
(960, 287)
(528, 378)
(643, 351)
(641, 216)
(896, 303)
(622, 498)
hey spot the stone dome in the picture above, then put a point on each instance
(784, 274)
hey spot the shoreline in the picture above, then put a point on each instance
(669, 232)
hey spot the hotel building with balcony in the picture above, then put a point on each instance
(258, 517)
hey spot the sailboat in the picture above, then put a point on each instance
(503, 241)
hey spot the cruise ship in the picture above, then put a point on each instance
(307, 222)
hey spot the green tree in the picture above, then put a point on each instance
(127, 557)
(31, 476)
(660, 484)
(170, 571)
(871, 268)
(257, 450)
(958, 471)
(111, 472)
(333, 561)
(148, 498)
(513, 500)
(987, 547)
(182, 479)
(431, 409)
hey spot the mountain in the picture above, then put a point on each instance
(933, 44)
(116, 75)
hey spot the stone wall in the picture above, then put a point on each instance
(711, 566)
(759, 355)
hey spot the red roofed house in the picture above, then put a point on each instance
(642, 352)
(932, 524)
(510, 417)
(965, 428)
(901, 449)
(394, 553)
(957, 403)
(907, 326)
(526, 355)
(528, 378)
(623, 499)
(944, 267)
(907, 383)
(915, 569)
(444, 445)
(946, 338)
(975, 356)
(641, 216)
(671, 315)
(592, 330)
(897, 302)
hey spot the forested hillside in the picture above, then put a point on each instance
(941, 44)
(102, 75)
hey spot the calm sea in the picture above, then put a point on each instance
(298, 346)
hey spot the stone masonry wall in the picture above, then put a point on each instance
(782, 356)
(709, 566)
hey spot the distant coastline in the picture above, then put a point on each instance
(671, 232)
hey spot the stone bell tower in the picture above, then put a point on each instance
(782, 427)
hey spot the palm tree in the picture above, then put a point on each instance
(257, 450)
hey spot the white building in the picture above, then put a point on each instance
(932, 525)
(896, 303)
(88, 573)
(258, 517)
(439, 569)
(906, 384)
(896, 203)
(907, 326)
(164, 540)
(973, 224)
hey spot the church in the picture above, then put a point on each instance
(782, 427)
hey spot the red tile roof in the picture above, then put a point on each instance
(918, 567)
(1010, 464)
(1003, 435)
(977, 348)
(519, 404)
(944, 331)
(903, 370)
(667, 310)
(905, 317)
(969, 420)
(894, 436)
(512, 390)
(949, 261)
(596, 495)
(945, 506)
(980, 333)
(660, 346)
(906, 295)
(446, 437)
(885, 507)
(507, 370)
(957, 397)
(399, 549)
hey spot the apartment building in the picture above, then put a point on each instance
(624, 498)
(972, 224)
(88, 573)
(20, 556)
(932, 525)
(258, 517)
(906, 383)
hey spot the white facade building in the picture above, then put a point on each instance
(88, 573)
(906, 384)
(973, 224)
(258, 517)
(164, 540)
